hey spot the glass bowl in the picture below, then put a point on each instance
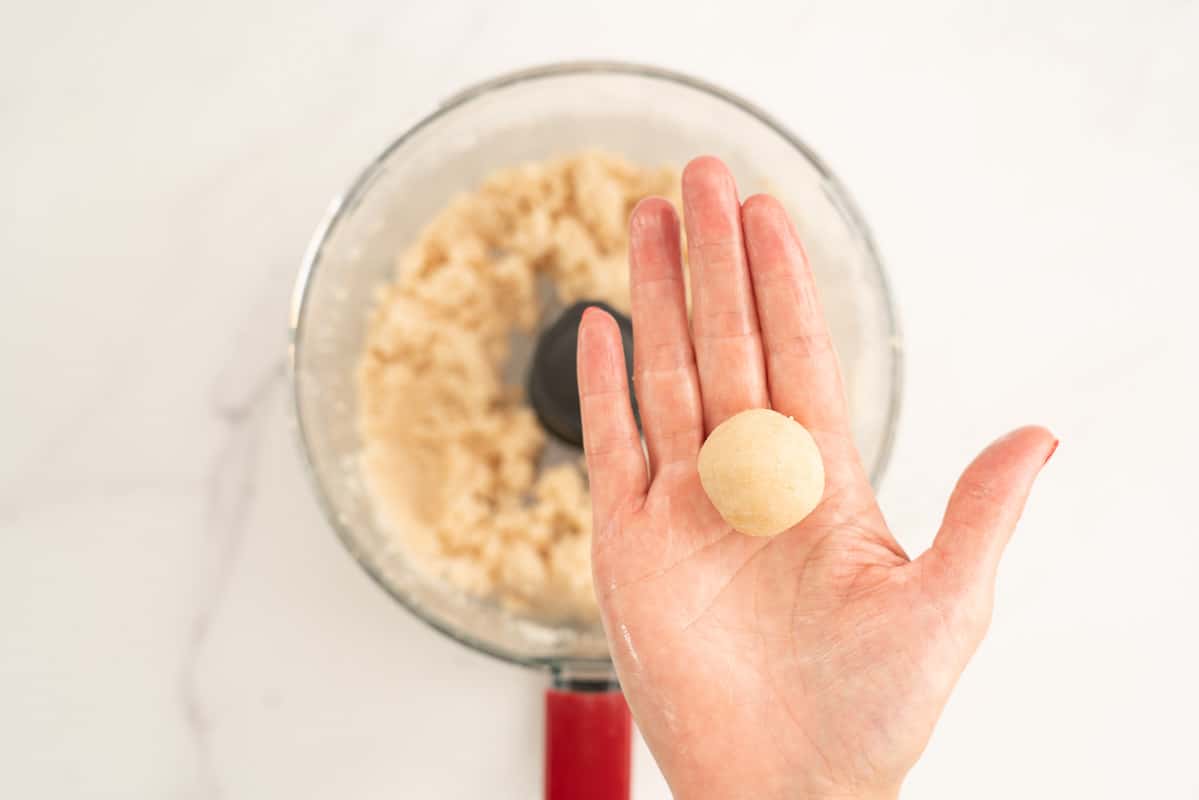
(651, 116)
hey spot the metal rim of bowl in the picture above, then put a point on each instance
(345, 202)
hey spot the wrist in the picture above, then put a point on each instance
(715, 791)
(857, 794)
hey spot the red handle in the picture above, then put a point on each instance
(588, 735)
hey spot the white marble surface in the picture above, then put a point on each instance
(176, 620)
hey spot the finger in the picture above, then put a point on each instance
(664, 365)
(985, 507)
(728, 350)
(802, 372)
(615, 460)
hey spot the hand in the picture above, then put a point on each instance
(812, 664)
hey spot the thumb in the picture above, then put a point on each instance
(985, 506)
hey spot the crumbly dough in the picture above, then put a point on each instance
(450, 452)
(762, 471)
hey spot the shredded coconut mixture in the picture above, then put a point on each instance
(450, 450)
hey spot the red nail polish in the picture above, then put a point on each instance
(1052, 450)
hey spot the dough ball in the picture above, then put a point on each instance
(762, 471)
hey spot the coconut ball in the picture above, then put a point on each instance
(762, 470)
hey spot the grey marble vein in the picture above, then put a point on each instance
(230, 497)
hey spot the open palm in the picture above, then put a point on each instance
(814, 663)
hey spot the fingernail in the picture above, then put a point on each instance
(1052, 450)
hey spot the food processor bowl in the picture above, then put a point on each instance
(652, 117)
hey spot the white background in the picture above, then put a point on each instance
(176, 621)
